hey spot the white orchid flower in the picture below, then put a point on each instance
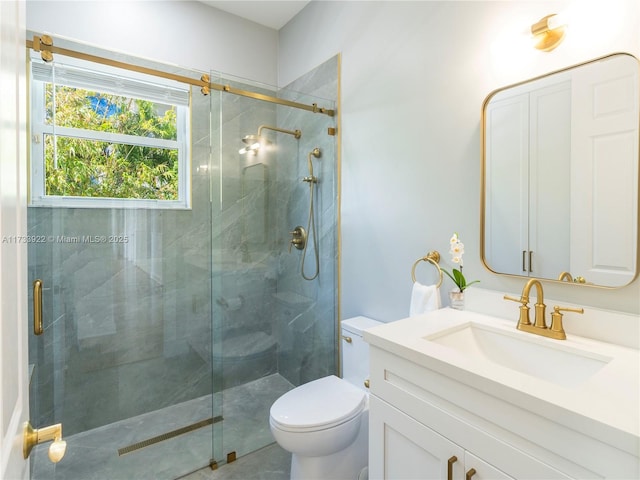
(456, 249)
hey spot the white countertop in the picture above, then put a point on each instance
(606, 405)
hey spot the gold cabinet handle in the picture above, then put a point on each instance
(450, 463)
(530, 260)
(37, 307)
(367, 383)
(347, 339)
(470, 474)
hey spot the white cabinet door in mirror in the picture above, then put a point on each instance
(560, 169)
(604, 207)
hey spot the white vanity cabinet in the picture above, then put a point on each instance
(421, 417)
(505, 403)
(403, 448)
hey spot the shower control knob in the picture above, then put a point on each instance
(298, 238)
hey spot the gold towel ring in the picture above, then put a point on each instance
(432, 257)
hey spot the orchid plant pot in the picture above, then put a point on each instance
(456, 299)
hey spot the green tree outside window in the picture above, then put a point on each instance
(82, 167)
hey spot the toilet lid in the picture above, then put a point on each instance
(323, 403)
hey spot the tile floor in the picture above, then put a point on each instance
(93, 455)
(268, 463)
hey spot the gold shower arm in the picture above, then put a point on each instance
(296, 133)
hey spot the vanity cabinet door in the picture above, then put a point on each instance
(400, 448)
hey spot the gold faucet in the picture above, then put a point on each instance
(565, 276)
(539, 327)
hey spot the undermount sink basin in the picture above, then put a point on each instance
(523, 352)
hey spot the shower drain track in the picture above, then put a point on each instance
(168, 435)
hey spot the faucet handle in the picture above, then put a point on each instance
(524, 309)
(558, 309)
(556, 320)
(514, 299)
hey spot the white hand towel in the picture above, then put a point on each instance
(424, 298)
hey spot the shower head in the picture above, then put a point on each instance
(254, 142)
(251, 139)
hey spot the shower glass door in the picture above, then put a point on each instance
(124, 360)
(273, 329)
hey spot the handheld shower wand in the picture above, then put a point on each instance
(311, 224)
(310, 178)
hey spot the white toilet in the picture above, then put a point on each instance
(325, 423)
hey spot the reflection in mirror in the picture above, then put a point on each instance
(560, 175)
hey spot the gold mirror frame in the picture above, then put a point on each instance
(563, 276)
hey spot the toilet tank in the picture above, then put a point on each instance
(355, 353)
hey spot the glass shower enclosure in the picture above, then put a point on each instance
(162, 354)
(276, 330)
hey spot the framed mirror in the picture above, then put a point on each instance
(560, 157)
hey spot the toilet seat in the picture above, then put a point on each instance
(317, 405)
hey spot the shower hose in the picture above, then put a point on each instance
(311, 224)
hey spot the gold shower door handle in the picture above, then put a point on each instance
(37, 307)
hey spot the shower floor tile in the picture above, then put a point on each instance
(268, 463)
(93, 455)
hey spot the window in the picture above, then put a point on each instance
(103, 137)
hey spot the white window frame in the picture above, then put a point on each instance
(92, 76)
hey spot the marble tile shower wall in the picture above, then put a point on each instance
(119, 316)
(270, 319)
(307, 327)
(243, 347)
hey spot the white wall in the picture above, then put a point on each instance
(414, 76)
(184, 33)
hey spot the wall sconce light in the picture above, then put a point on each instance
(548, 32)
